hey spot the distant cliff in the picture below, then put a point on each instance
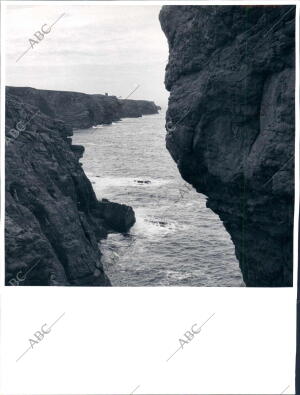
(53, 220)
(80, 110)
(134, 108)
(230, 124)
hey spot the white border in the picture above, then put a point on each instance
(238, 297)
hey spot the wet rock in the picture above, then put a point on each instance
(119, 217)
(159, 223)
(142, 181)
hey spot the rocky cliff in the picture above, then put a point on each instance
(137, 108)
(230, 124)
(53, 218)
(80, 110)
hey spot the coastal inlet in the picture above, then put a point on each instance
(176, 240)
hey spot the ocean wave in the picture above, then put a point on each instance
(176, 240)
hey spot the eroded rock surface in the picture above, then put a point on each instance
(53, 218)
(230, 124)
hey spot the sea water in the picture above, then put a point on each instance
(176, 240)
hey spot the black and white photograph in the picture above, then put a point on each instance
(149, 197)
(149, 145)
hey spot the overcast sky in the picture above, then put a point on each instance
(91, 49)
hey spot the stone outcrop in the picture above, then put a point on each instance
(80, 110)
(137, 108)
(53, 218)
(230, 124)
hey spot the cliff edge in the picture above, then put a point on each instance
(53, 220)
(81, 110)
(230, 124)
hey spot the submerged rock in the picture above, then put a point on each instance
(230, 124)
(142, 181)
(159, 223)
(53, 220)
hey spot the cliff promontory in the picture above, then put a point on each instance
(81, 110)
(230, 124)
(53, 220)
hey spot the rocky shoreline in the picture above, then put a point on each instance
(53, 220)
(230, 125)
(81, 110)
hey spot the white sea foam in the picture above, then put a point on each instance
(176, 240)
(147, 225)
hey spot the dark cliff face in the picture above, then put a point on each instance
(80, 110)
(137, 108)
(230, 124)
(53, 218)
